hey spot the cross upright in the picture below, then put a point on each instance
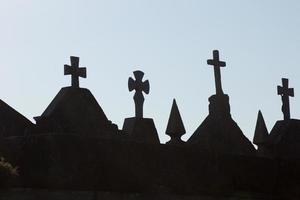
(139, 86)
(75, 71)
(285, 92)
(217, 64)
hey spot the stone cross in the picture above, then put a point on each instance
(217, 64)
(75, 71)
(139, 86)
(285, 93)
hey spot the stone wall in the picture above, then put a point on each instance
(66, 162)
(35, 194)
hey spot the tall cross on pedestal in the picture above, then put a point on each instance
(139, 86)
(285, 92)
(217, 64)
(75, 71)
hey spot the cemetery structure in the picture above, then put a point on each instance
(73, 151)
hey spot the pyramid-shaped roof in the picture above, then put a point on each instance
(12, 123)
(74, 110)
(284, 138)
(219, 133)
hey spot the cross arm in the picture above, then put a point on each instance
(82, 72)
(146, 86)
(216, 63)
(131, 84)
(279, 90)
(68, 69)
(291, 92)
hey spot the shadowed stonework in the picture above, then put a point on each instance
(219, 133)
(75, 152)
(75, 110)
(139, 128)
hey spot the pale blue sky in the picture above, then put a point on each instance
(170, 40)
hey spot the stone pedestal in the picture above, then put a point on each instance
(141, 130)
(219, 106)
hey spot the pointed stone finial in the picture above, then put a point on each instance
(175, 128)
(261, 132)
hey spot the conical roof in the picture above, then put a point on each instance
(175, 125)
(261, 131)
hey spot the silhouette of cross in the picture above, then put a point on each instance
(139, 86)
(217, 64)
(75, 71)
(285, 93)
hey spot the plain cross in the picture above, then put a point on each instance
(139, 86)
(285, 92)
(217, 64)
(75, 71)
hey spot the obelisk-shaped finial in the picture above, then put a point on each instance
(175, 128)
(261, 132)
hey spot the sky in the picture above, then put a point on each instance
(169, 40)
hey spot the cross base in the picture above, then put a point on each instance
(219, 106)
